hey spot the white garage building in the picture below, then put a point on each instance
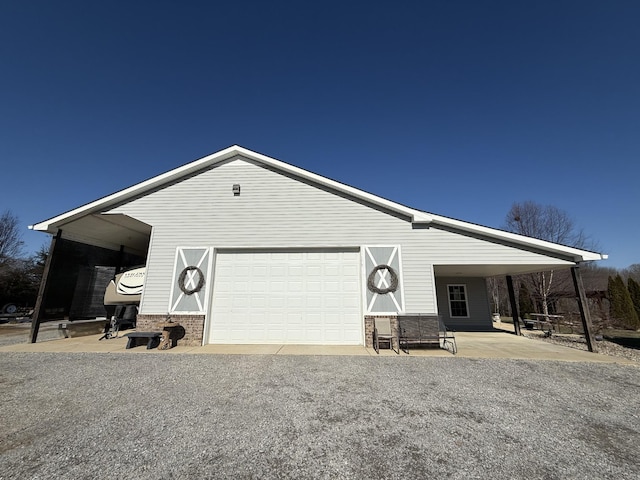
(243, 248)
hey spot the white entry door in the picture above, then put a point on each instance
(308, 297)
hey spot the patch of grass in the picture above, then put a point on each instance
(626, 338)
(506, 319)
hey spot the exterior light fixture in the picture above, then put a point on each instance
(236, 189)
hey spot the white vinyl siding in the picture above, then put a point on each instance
(477, 301)
(274, 210)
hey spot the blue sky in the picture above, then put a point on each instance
(459, 108)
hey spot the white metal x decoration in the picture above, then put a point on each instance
(381, 279)
(190, 280)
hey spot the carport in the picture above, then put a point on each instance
(84, 254)
(447, 273)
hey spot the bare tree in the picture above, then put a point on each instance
(545, 222)
(549, 223)
(632, 271)
(497, 288)
(494, 291)
(10, 238)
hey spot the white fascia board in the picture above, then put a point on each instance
(577, 254)
(175, 174)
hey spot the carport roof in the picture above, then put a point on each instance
(417, 217)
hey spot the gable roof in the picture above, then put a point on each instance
(417, 216)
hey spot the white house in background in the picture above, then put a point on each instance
(243, 248)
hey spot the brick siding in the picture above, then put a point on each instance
(193, 326)
(369, 327)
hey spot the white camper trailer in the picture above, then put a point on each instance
(122, 298)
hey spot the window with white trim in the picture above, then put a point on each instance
(458, 305)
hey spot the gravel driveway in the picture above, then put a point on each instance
(217, 416)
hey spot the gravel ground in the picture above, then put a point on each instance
(153, 416)
(12, 333)
(579, 342)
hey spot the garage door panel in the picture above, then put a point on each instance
(335, 299)
(331, 270)
(314, 302)
(260, 270)
(313, 271)
(351, 270)
(273, 336)
(258, 301)
(277, 301)
(295, 286)
(295, 270)
(350, 303)
(294, 302)
(241, 287)
(239, 301)
(351, 287)
(332, 286)
(242, 270)
(278, 271)
(332, 318)
(332, 336)
(287, 297)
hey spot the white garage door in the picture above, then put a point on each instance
(310, 297)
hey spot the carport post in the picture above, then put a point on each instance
(119, 264)
(35, 318)
(583, 306)
(514, 306)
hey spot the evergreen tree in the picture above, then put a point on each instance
(621, 304)
(525, 303)
(634, 292)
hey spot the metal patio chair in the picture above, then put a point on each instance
(382, 332)
(447, 337)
